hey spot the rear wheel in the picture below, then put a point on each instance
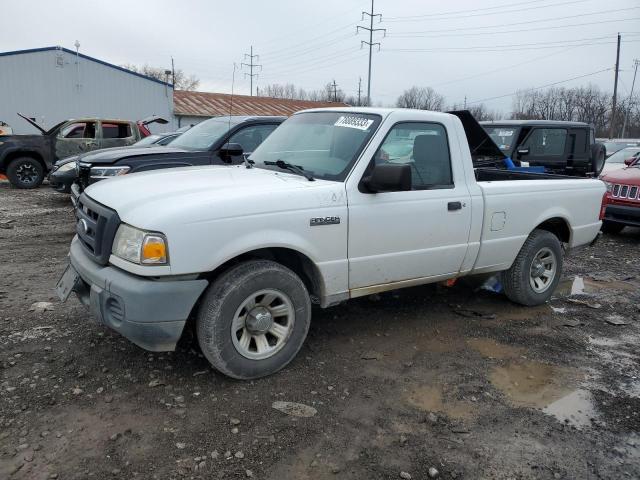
(25, 172)
(254, 319)
(536, 271)
(611, 227)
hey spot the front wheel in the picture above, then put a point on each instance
(536, 271)
(25, 172)
(254, 319)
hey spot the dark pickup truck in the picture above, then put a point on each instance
(26, 159)
(217, 141)
(567, 148)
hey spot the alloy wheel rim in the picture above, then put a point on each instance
(262, 324)
(543, 270)
(27, 173)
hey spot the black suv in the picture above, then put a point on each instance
(569, 148)
(217, 141)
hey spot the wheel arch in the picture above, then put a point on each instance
(13, 154)
(291, 258)
(559, 226)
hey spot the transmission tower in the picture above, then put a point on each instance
(251, 66)
(370, 43)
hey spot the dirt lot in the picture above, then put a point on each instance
(405, 384)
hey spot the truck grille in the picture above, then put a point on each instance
(625, 192)
(96, 226)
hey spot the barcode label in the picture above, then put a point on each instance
(361, 123)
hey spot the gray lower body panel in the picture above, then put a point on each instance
(150, 313)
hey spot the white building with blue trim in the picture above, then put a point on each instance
(53, 84)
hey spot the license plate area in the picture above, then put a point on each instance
(67, 283)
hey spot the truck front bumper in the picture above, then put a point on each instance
(150, 313)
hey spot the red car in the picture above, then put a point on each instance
(622, 200)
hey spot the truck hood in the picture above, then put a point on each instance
(107, 156)
(153, 199)
(628, 176)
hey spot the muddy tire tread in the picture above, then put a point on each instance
(513, 280)
(213, 302)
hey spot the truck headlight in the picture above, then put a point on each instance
(139, 246)
(107, 172)
(609, 186)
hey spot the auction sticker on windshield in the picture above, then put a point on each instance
(360, 123)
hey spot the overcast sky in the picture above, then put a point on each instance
(478, 49)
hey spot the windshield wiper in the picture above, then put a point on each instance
(292, 168)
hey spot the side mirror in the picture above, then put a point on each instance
(389, 177)
(231, 150)
(523, 151)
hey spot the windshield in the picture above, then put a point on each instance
(613, 147)
(326, 144)
(621, 155)
(150, 140)
(203, 135)
(503, 137)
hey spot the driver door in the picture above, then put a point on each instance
(75, 138)
(411, 235)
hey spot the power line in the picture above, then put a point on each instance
(251, 66)
(371, 43)
(492, 49)
(401, 34)
(505, 32)
(540, 87)
(417, 18)
(467, 11)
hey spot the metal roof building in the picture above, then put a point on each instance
(193, 107)
(53, 84)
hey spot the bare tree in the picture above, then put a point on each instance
(421, 98)
(584, 104)
(182, 81)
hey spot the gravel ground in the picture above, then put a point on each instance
(425, 382)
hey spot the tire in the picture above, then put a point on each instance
(610, 227)
(222, 327)
(25, 172)
(519, 283)
(597, 158)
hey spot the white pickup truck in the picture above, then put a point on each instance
(335, 204)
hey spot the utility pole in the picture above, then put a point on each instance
(251, 66)
(465, 102)
(359, 90)
(334, 85)
(636, 62)
(615, 91)
(371, 43)
(173, 74)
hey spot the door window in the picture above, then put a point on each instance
(250, 137)
(116, 130)
(78, 130)
(425, 148)
(546, 142)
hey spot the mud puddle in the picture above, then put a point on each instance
(552, 389)
(430, 398)
(577, 408)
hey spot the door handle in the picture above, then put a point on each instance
(453, 206)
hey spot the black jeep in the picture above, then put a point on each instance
(568, 148)
(217, 141)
